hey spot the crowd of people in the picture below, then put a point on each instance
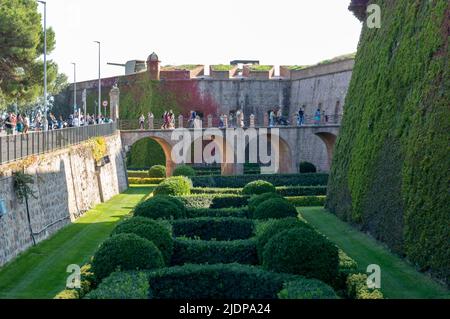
(13, 123)
(236, 119)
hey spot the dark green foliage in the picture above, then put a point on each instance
(144, 154)
(148, 229)
(232, 281)
(215, 201)
(226, 201)
(216, 190)
(184, 170)
(138, 174)
(125, 252)
(207, 228)
(390, 168)
(258, 187)
(307, 167)
(302, 251)
(157, 171)
(142, 181)
(307, 201)
(174, 186)
(255, 200)
(188, 251)
(222, 212)
(317, 179)
(275, 208)
(357, 288)
(306, 289)
(274, 227)
(302, 190)
(160, 207)
(122, 285)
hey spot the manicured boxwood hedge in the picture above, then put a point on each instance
(275, 208)
(122, 285)
(302, 251)
(174, 186)
(307, 201)
(184, 170)
(357, 288)
(255, 200)
(222, 212)
(126, 252)
(302, 190)
(138, 174)
(230, 281)
(258, 187)
(207, 228)
(215, 201)
(157, 171)
(307, 289)
(161, 207)
(314, 179)
(188, 251)
(148, 229)
(147, 180)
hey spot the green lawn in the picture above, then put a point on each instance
(398, 279)
(40, 272)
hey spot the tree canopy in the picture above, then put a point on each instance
(21, 52)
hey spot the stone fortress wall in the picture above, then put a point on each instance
(67, 184)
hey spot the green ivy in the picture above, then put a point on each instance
(390, 171)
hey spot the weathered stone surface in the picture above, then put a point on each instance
(66, 186)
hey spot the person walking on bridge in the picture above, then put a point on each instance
(141, 122)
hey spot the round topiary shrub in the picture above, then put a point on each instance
(151, 230)
(275, 227)
(255, 200)
(184, 170)
(258, 188)
(157, 171)
(307, 167)
(174, 186)
(125, 252)
(302, 251)
(306, 289)
(275, 208)
(160, 207)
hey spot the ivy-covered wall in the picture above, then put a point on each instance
(391, 166)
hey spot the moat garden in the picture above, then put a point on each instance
(220, 237)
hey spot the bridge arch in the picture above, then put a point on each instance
(329, 139)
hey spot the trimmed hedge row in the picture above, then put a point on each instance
(122, 285)
(214, 201)
(231, 281)
(357, 288)
(285, 191)
(208, 228)
(142, 181)
(221, 212)
(314, 179)
(138, 174)
(307, 289)
(161, 207)
(174, 186)
(188, 251)
(307, 201)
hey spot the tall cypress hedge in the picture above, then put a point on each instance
(391, 166)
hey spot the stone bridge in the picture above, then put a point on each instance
(311, 143)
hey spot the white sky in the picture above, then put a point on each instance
(206, 32)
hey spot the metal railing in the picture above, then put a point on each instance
(158, 124)
(19, 146)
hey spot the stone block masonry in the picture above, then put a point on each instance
(67, 183)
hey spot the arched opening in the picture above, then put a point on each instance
(330, 140)
(280, 151)
(149, 151)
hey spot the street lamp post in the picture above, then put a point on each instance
(74, 88)
(99, 105)
(45, 64)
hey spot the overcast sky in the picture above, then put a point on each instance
(206, 32)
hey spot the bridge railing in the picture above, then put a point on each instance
(19, 146)
(221, 122)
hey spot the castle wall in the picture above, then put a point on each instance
(66, 184)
